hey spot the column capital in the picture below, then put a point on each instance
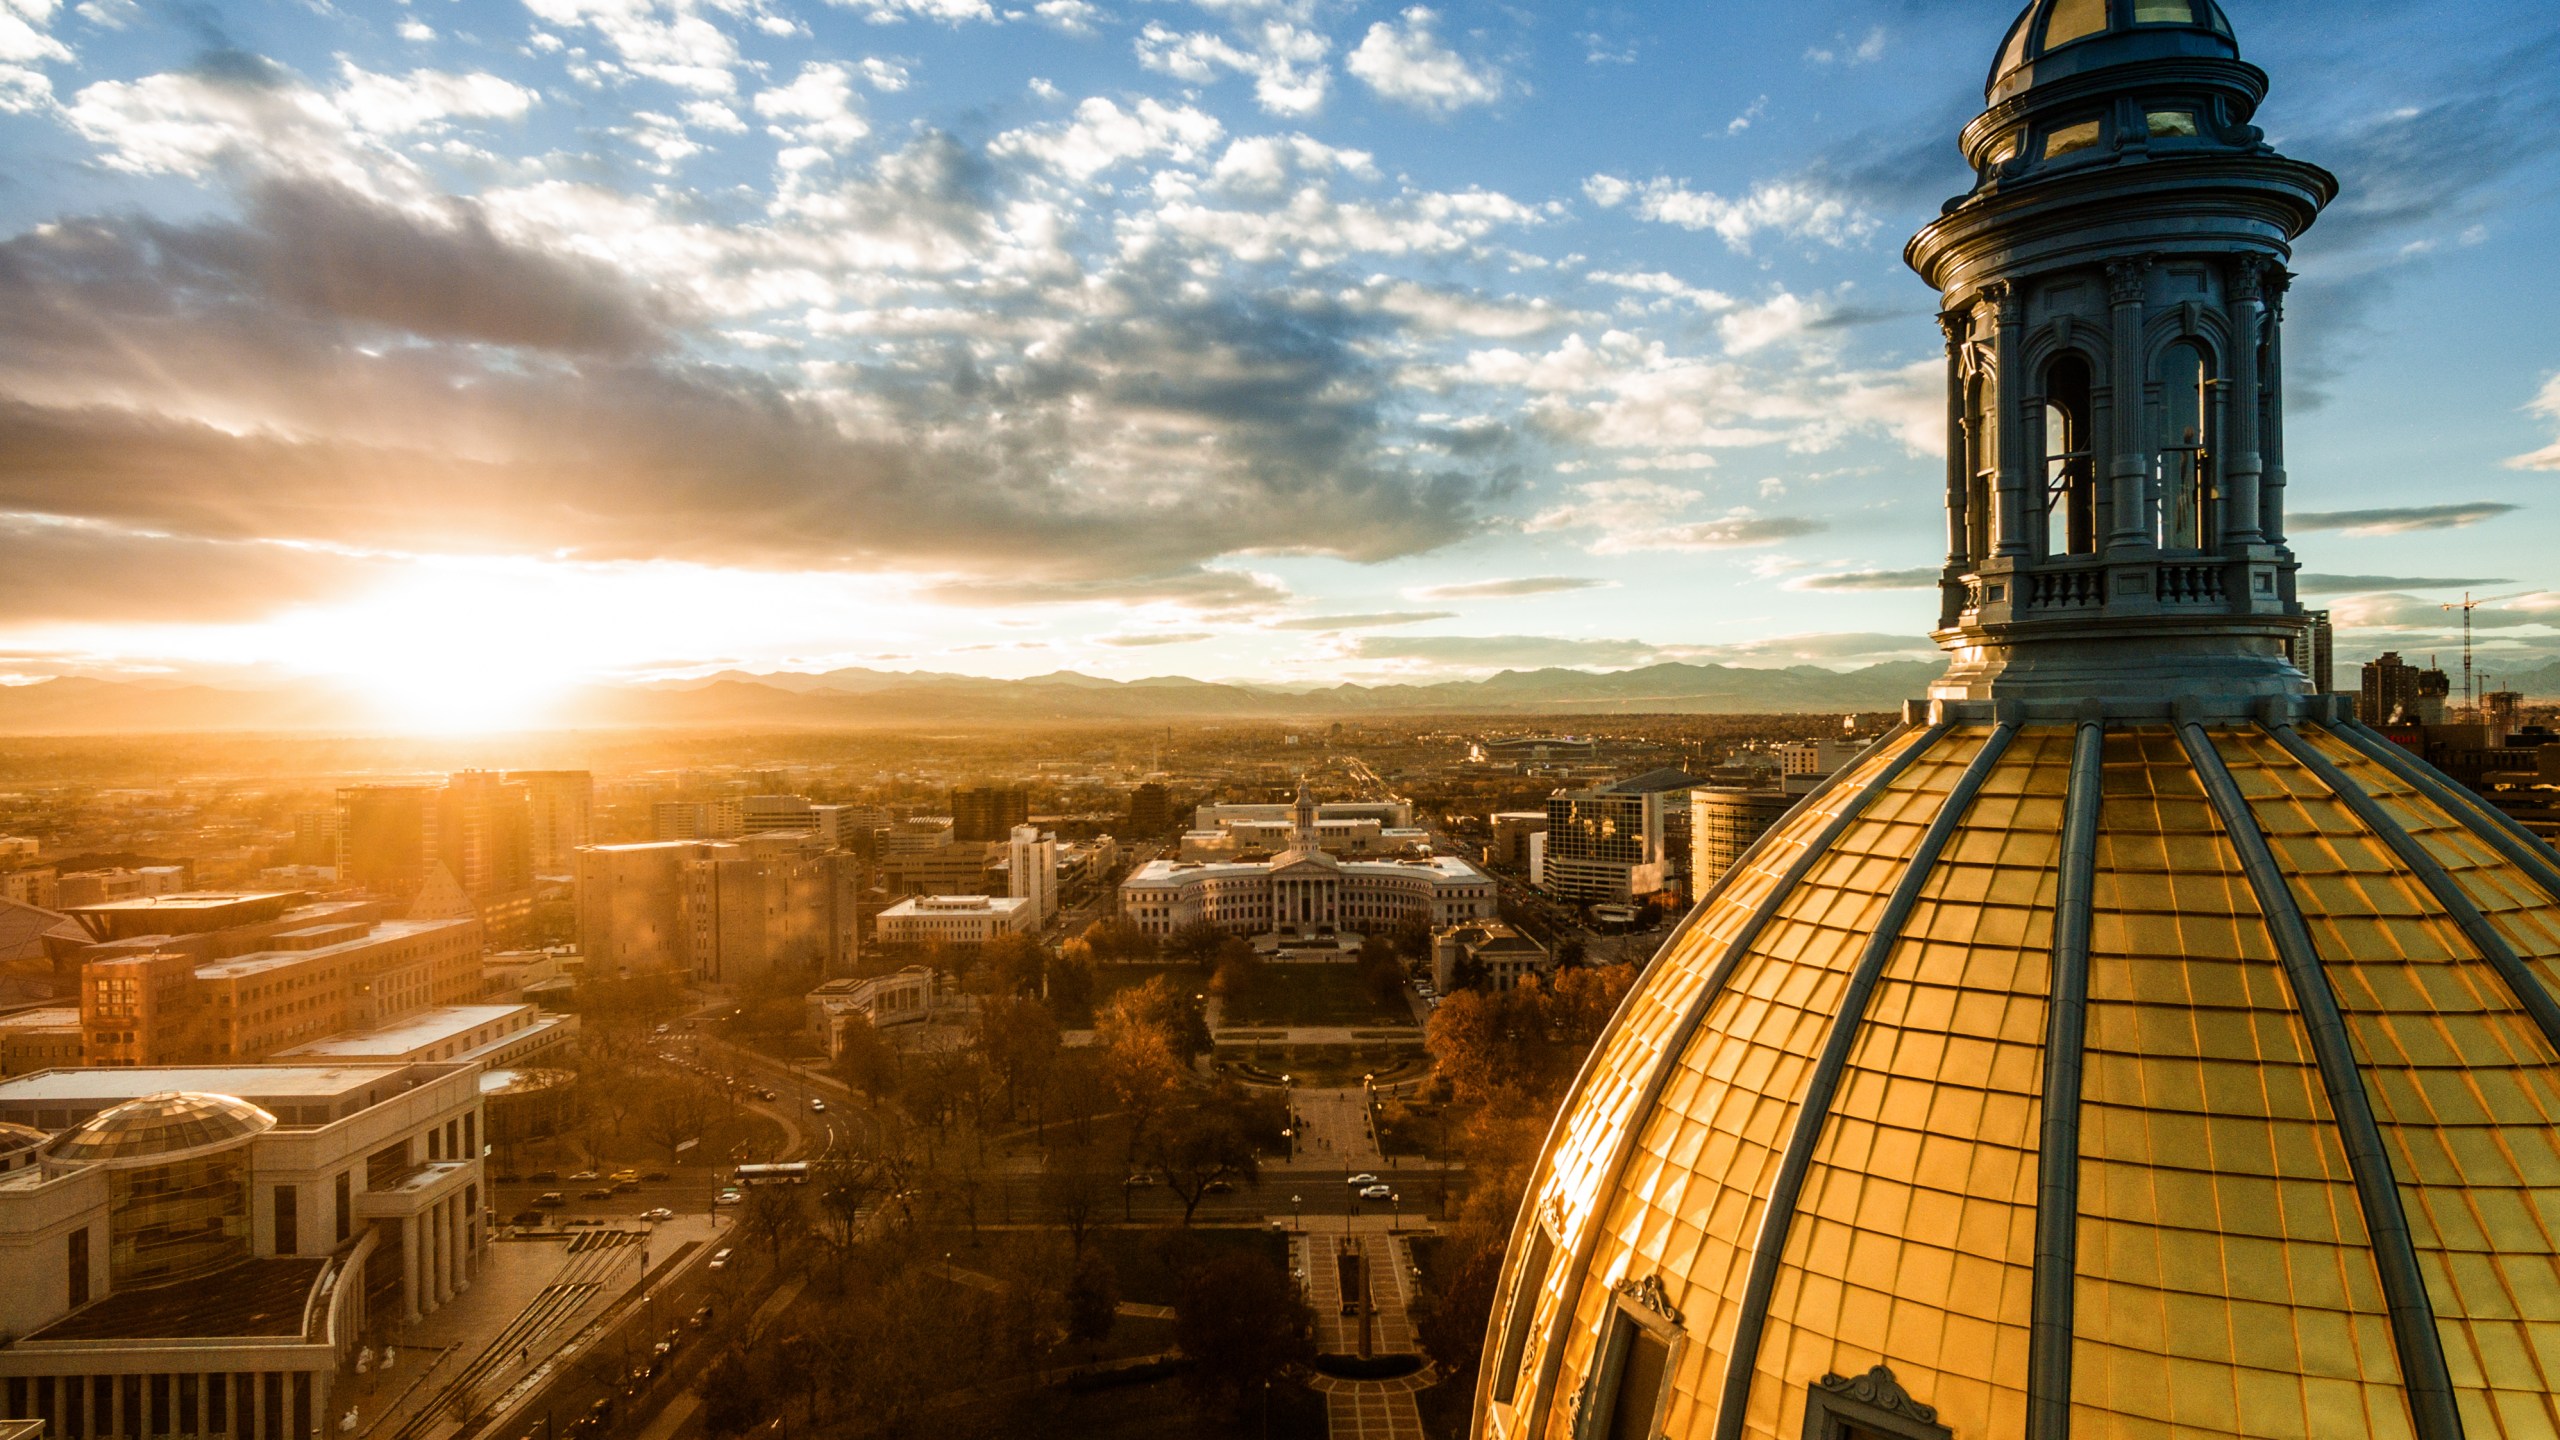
(2126, 278)
(2004, 297)
(2249, 279)
(1956, 325)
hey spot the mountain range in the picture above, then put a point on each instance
(867, 698)
(856, 698)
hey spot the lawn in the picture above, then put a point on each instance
(1149, 1262)
(1307, 996)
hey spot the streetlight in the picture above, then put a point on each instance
(1297, 1221)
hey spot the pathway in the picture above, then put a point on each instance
(1363, 1409)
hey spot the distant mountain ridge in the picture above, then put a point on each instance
(855, 698)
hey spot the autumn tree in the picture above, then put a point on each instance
(1199, 1146)
(865, 1060)
(1019, 1040)
(1075, 1185)
(678, 1111)
(1242, 1322)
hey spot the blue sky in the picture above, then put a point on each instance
(1281, 339)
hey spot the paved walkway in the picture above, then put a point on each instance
(1363, 1409)
(1336, 1133)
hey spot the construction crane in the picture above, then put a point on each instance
(2470, 696)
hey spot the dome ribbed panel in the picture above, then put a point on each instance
(1688, 1203)
(2227, 1284)
(1914, 1242)
(2463, 1085)
(1596, 1124)
(1596, 1121)
(2519, 908)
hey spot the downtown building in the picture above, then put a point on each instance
(719, 911)
(1611, 845)
(202, 1251)
(1304, 891)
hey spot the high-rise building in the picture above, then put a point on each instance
(1031, 871)
(1723, 823)
(986, 814)
(385, 837)
(774, 814)
(724, 912)
(1150, 811)
(563, 805)
(2313, 649)
(1512, 830)
(315, 838)
(483, 837)
(1606, 845)
(2130, 1032)
(2398, 693)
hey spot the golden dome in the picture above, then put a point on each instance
(2302, 1093)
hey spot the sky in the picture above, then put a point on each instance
(502, 342)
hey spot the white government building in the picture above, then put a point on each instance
(1304, 890)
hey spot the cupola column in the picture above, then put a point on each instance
(1956, 325)
(2008, 386)
(2271, 485)
(2127, 467)
(2245, 523)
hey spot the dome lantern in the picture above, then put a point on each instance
(2132, 1043)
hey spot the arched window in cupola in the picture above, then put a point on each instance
(2070, 460)
(2188, 450)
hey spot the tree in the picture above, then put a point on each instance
(865, 1060)
(1194, 943)
(1074, 1187)
(1453, 1311)
(774, 1219)
(676, 1113)
(1011, 965)
(1020, 1040)
(732, 1401)
(1115, 939)
(1199, 1146)
(1071, 979)
(1092, 1298)
(1242, 1323)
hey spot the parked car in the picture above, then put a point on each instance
(1377, 1192)
(720, 1259)
(550, 1199)
(660, 1213)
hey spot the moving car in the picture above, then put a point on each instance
(653, 1174)
(817, 1106)
(544, 1177)
(730, 1196)
(595, 1192)
(720, 1259)
(1363, 1178)
(584, 1177)
(1139, 1181)
(1377, 1192)
(550, 1199)
(527, 1217)
(624, 1187)
(659, 1213)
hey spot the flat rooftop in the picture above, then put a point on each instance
(438, 1026)
(256, 1298)
(49, 1017)
(256, 962)
(299, 1095)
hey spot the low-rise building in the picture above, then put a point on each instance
(898, 998)
(201, 1251)
(489, 1036)
(45, 1038)
(1486, 952)
(960, 920)
(1303, 890)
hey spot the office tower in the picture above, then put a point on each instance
(385, 837)
(1031, 871)
(563, 804)
(985, 814)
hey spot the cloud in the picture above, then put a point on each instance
(1286, 61)
(1102, 136)
(1795, 209)
(2317, 584)
(815, 112)
(2400, 520)
(25, 43)
(2547, 405)
(1362, 622)
(670, 41)
(949, 12)
(1865, 50)
(1632, 516)
(1511, 589)
(1408, 64)
(1920, 579)
(1141, 642)
(1487, 651)
(1834, 647)
(1207, 591)
(76, 572)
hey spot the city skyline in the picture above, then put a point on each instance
(1288, 341)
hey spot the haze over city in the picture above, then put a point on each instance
(455, 352)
